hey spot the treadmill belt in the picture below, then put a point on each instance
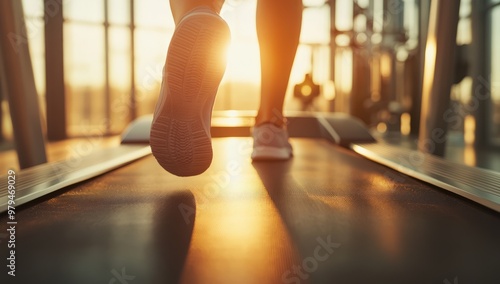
(326, 216)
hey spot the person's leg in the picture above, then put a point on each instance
(180, 133)
(278, 29)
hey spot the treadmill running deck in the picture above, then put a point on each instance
(326, 216)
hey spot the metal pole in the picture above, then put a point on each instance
(423, 18)
(438, 75)
(54, 71)
(133, 110)
(107, 87)
(20, 83)
(481, 90)
(332, 4)
(3, 93)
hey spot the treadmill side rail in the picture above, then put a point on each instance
(38, 181)
(479, 185)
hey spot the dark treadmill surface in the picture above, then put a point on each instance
(326, 216)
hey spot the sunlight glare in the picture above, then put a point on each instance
(243, 61)
(329, 90)
(381, 127)
(469, 130)
(385, 65)
(405, 123)
(306, 90)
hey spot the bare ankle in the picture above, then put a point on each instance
(275, 117)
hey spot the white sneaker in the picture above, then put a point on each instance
(270, 142)
(180, 133)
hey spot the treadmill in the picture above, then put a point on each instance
(343, 212)
(345, 209)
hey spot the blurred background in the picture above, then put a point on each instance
(362, 57)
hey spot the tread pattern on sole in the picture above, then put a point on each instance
(180, 135)
(265, 153)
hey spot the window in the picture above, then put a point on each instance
(108, 86)
(494, 71)
(114, 52)
(95, 36)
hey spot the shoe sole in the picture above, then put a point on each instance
(180, 134)
(266, 153)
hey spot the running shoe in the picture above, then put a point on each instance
(180, 133)
(270, 142)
